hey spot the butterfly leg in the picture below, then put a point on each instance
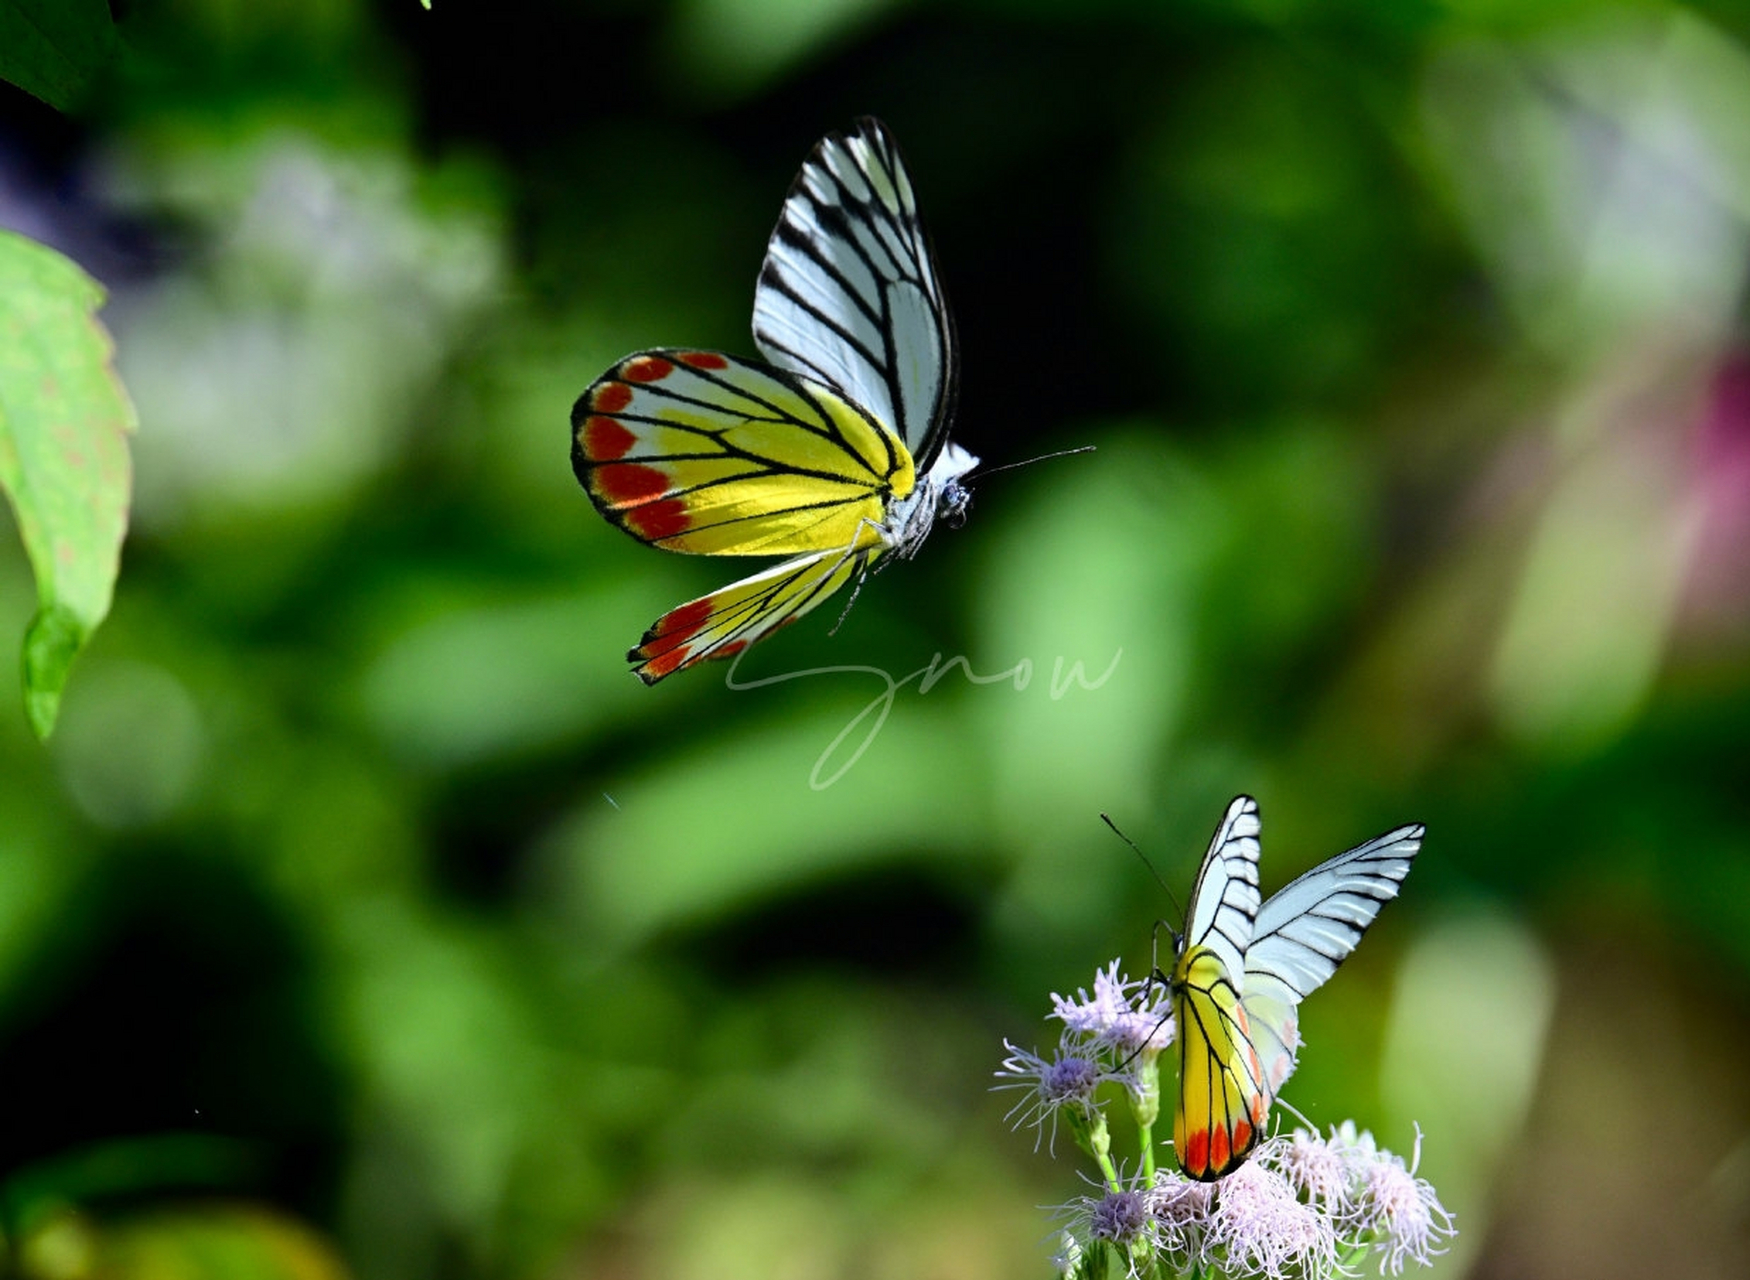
(877, 559)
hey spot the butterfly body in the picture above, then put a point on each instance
(1241, 968)
(939, 496)
(835, 453)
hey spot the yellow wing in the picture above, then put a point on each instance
(1222, 1099)
(699, 451)
(725, 622)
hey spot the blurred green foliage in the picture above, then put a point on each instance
(365, 915)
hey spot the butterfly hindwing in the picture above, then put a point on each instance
(849, 293)
(1222, 1103)
(699, 451)
(725, 622)
(1307, 929)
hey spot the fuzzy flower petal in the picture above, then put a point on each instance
(1266, 1230)
(1181, 1209)
(1069, 1079)
(1123, 1014)
(1317, 1169)
(1068, 1255)
(1412, 1223)
(1121, 1218)
(1091, 1015)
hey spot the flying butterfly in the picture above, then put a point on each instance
(834, 454)
(1240, 969)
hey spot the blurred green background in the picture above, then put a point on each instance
(365, 917)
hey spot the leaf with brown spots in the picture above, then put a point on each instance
(64, 419)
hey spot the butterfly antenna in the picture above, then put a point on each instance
(1027, 462)
(1155, 972)
(1134, 848)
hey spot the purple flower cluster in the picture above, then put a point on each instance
(1066, 1081)
(1110, 1037)
(1124, 1015)
(1303, 1207)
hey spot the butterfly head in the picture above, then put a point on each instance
(945, 474)
(953, 502)
(939, 496)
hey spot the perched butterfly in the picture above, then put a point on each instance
(837, 457)
(1241, 969)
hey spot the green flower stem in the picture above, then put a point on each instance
(1143, 1259)
(1145, 1098)
(1092, 1136)
(1353, 1257)
(1107, 1169)
(1145, 1107)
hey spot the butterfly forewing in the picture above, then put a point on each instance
(1224, 899)
(1311, 925)
(1220, 1102)
(698, 451)
(849, 294)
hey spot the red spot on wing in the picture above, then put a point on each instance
(629, 483)
(731, 649)
(1242, 1136)
(1195, 1157)
(1219, 1150)
(1260, 1109)
(681, 624)
(663, 664)
(658, 520)
(646, 369)
(611, 397)
(704, 360)
(604, 440)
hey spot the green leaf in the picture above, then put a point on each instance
(53, 49)
(64, 419)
